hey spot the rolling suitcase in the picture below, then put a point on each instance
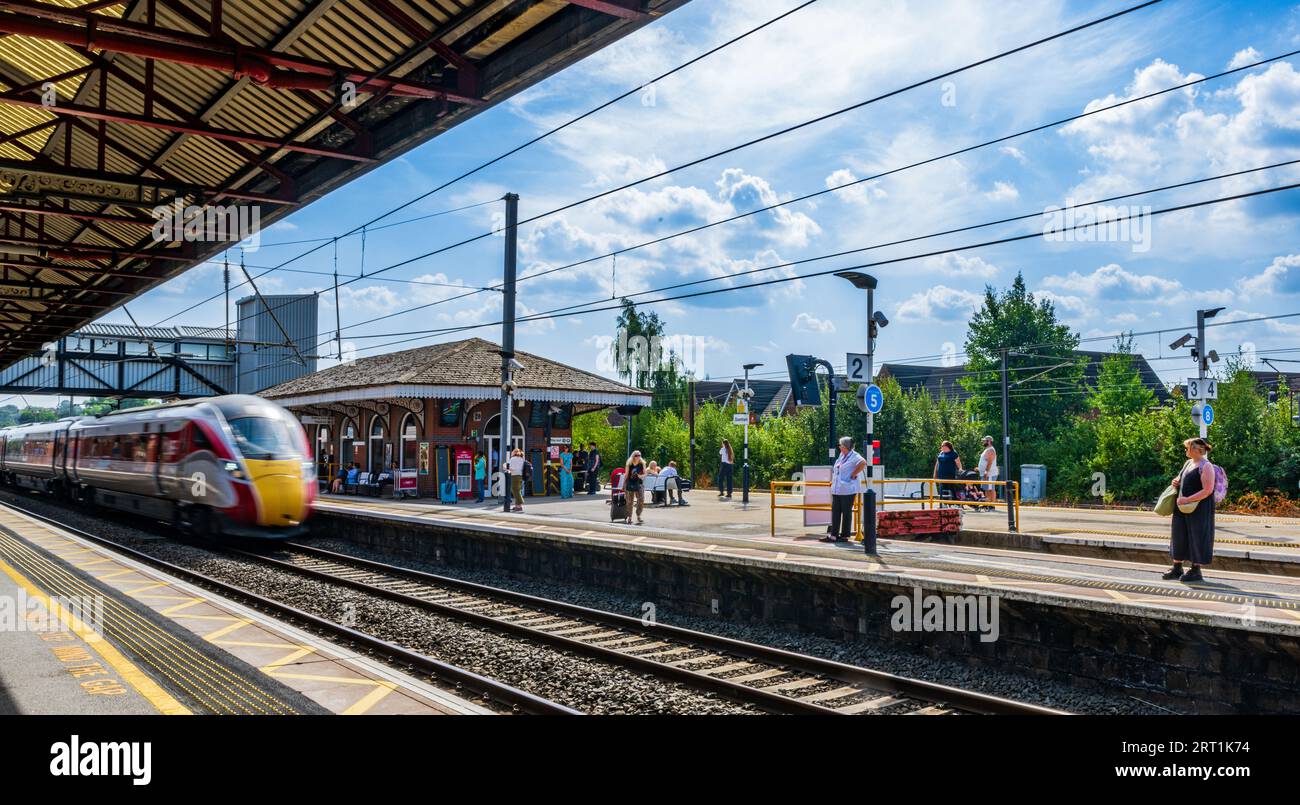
(617, 506)
(449, 493)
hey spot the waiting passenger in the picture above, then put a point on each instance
(673, 484)
(1191, 534)
(353, 472)
(339, 478)
(515, 467)
(946, 467)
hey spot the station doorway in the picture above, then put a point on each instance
(492, 442)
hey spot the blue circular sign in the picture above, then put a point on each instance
(1207, 414)
(875, 399)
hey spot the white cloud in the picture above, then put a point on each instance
(858, 193)
(806, 323)
(939, 303)
(1114, 283)
(1014, 153)
(1243, 57)
(958, 265)
(1002, 191)
(1282, 276)
(747, 192)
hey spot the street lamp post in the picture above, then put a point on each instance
(1202, 356)
(875, 320)
(744, 470)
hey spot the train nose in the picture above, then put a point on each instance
(281, 493)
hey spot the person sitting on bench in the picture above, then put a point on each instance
(672, 484)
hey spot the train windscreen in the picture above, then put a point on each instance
(263, 438)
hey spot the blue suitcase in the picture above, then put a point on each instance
(449, 493)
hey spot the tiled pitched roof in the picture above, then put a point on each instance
(472, 362)
(933, 378)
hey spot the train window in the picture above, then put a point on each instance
(263, 438)
(171, 447)
(199, 439)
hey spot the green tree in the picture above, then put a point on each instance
(1120, 390)
(636, 345)
(1044, 374)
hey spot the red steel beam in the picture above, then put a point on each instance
(63, 249)
(268, 68)
(612, 8)
(185, 188)
(76, 110)
(78, 214)
(467, 73)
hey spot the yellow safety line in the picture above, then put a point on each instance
(211, 637)
(162, 701)
(213, 680)
(370, 700)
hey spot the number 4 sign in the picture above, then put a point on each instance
(1202, 388)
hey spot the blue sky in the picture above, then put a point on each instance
(1244, 255)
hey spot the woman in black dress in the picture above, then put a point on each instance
(1192, 535)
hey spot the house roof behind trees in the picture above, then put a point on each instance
(934, 379)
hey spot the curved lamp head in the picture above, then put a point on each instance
(864, 281)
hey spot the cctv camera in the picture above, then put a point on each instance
(879, 318)
(515, 365)
(1182, 342)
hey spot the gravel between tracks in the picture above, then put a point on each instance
(586, 685)
(890, 659)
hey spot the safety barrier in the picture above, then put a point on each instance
(821, 507)
(934, 493)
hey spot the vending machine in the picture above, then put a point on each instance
(465, 472)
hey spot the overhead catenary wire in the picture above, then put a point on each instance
(539, 138)
(898, 242)
(875, 264)
(763, 138)
(1063, 121)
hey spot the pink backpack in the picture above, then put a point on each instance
(1220, 484)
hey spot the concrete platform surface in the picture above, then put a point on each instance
(205, 643)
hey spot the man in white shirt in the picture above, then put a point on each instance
(845, 486)
(669, 474)
(988, 468)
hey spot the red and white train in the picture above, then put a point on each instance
(237, 464)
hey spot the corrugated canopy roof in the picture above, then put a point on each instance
(110, 110)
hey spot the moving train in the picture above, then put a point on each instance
(236, 465)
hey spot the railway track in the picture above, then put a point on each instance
(464, 682)
(771, 679)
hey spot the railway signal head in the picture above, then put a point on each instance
(803, 379)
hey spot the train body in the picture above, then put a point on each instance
(236, 464)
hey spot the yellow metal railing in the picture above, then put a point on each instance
(818, 507)
(933, 495)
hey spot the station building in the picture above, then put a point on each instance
(430, 410)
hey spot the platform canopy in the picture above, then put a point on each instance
(111, 111)
(461, 370)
